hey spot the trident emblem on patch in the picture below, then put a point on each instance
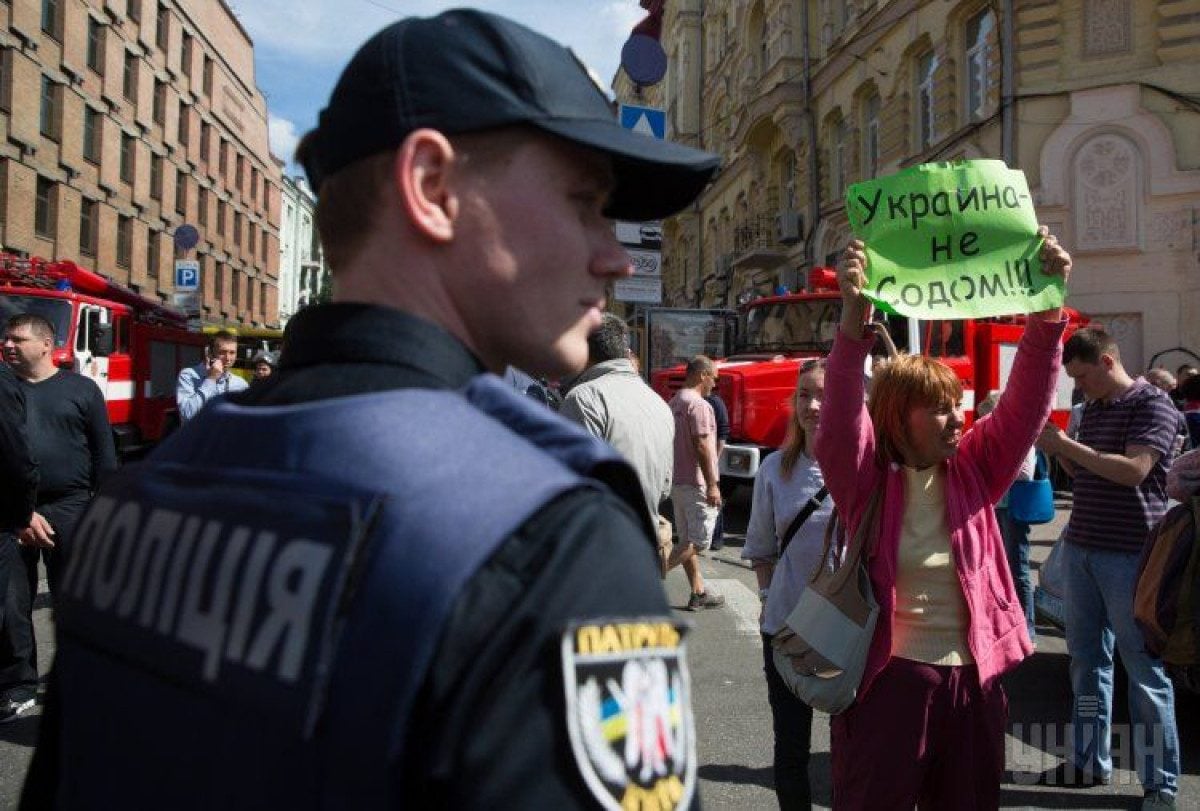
(629, 712)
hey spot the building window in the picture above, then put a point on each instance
(254, 185)
(124, 240)
(93, 127)
(95, 45)
(52, 18)
(870, 128)
(252, 239)
(926, 67)
(184, 125)
(51, 117)
(6, 78)
(220, 218)
(208, 75)
(185, 55)
(223, 158)
(160, 102)
(129, 82)
(263, 246)
(235, 280)
(237, 229)
(202, 206)
(181, 192)
(127, 157)
(154, 255)
(241, 173)
(45, 213)
(134, 10)
(156, 177)
(219, 292)
(162, 28)
(979, 30)
(89, 211)
(205, 140)
(841, 137)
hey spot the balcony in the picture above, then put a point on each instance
(756, 243)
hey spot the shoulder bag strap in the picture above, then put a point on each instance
(805, 513)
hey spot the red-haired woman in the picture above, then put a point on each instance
(928, 725)
(786, 483)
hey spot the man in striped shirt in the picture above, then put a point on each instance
(1127, 437)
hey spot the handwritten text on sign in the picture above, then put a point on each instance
(952, 240)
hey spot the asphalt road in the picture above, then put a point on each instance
(733, 720)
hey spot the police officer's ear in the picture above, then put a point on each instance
(423, 175)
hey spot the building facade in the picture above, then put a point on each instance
(303, 273)
(124, 119)
(1097, 101)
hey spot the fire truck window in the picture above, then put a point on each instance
(121, 336)
(56, 311)
(944, 339)
(798, 327)
(162, 369)
(829, 318)
(92, 318)
(897, 327)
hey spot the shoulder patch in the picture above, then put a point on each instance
(629, 711)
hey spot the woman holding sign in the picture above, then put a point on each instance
(928, 724)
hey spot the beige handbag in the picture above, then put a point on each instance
(821, 652)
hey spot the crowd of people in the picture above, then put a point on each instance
(379, 576)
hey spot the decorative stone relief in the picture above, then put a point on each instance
(1107, 27)
(1170, 230)
(1107, 193)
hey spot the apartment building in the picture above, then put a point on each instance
(1097, 101)
(303, 273)
(124, 119)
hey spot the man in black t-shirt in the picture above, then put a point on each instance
(70, 436)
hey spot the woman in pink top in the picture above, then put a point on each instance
(928, 725)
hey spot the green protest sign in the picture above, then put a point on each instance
(952, 240)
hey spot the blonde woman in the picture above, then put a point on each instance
(786, 483)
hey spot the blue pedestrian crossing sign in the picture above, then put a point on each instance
(187, 274)
(646, 120)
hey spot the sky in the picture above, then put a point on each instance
(301, 45)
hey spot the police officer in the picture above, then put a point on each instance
(381, 577)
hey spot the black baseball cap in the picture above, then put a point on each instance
(466, 71)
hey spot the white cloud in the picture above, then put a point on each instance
(284, 137)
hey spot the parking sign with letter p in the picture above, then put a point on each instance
(187, 274)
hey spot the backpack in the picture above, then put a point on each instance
(1166, 598)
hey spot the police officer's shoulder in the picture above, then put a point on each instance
(570, 607)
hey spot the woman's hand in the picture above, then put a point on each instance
(1055, 262)
(852, 278)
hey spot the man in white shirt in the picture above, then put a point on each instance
(199, 384)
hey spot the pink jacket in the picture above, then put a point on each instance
(986, 463)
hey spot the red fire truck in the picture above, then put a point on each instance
(773, 336)
(131, 346)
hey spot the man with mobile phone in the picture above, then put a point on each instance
(199, 384)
